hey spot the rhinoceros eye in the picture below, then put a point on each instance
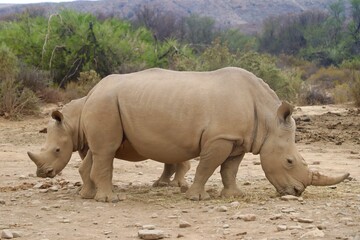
(289, 161)
(57, 150)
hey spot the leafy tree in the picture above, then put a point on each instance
(199, 31)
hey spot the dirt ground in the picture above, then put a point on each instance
(328, 138)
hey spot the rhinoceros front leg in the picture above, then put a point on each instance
(88, 189)
(101, 173)
(228, 173)
(210, 158)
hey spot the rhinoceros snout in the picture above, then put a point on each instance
(45, 173)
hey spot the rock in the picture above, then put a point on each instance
(247, 183)
(43, 190)
(148, 227)
(346, 220)
(287, 210)
(107, 232)
(305, 220)
(184, 224)
(289, 198)
(45, 208)
(65, 220)
(6, 234)
(154, 215)
(313, 234)
(256, 162)
(316, 163)
(247, 217)
(276, 216)
(2, 202)
(180, 235)
(16, 234)
(226, 226)
(222, 209)
(294, 227)
(281, 228)
(54, 188)
(38, 185)
(235, 204)
(151, 234)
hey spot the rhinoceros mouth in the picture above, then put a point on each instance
(46, 173)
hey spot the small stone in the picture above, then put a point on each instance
(66, 220)
(256, 162)
(235, 204)
(316, 163)
(247, 217)
(287, 210)
(346, 219)
(281, 228)
(151, 234)
(173, 217)
(43, 190)
(38, 185)
(313, 234)
(184, 224)
(222, 209)
(140, 173)
(241, 234)
(148, 227)
(54, 188)
(247, 183)
(276, 216)
(305, 220)
(295, 227)
(107, 232)
(2, 202)
(16, 234)
(226, 226)
(45, 208)
(154, 215)
(180, 235)
(289, 198)
(22, 177)
(6, 234)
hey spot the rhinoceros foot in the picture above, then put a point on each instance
(196, 194)
(231, 192)
(106, 197)
(161, 183)
(87, 192)
(180, 183)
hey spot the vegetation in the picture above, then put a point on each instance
(308, 58)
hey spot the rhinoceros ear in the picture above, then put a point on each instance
(57, 115)
(284, 112)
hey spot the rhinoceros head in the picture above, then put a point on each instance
(283, 165)
(57, 150)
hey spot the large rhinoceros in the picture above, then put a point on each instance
(175, 116)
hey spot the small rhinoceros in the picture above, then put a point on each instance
(174, 116)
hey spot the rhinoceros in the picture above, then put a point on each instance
(172, 117)
(72, 111)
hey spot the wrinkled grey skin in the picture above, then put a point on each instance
(176, 116)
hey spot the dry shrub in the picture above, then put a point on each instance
(329, 77)
(34, 79)
(342, 93)
(355, 90)
(51, 95)
(16, 100)
(313, 96)
(86, 81)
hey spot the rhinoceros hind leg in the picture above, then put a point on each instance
(179, 178)
(228, 173)
(210, 158)
(164, 180)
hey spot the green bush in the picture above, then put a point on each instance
(86, 81)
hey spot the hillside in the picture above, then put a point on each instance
(246, 14)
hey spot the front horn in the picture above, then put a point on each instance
(34, 158)
(319, 179)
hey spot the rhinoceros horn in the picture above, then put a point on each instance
(319, 179)
(35, 159)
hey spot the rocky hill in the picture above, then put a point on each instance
(246, 14)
